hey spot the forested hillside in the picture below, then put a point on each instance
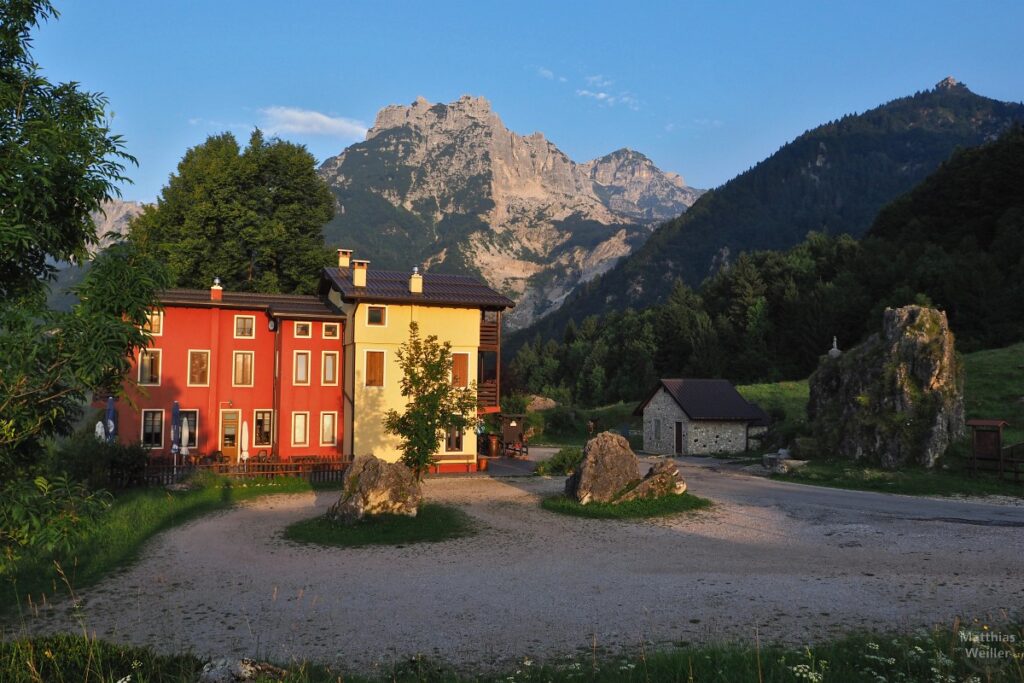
(833, 179)
(956, 241)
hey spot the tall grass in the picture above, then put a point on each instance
(928, 655)
(116, 540)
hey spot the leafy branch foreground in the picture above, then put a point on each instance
(942, 655)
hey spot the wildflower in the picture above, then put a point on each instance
(873, 646)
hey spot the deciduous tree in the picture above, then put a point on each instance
(433, 404)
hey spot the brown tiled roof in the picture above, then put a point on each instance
(708, 399)
(386, 286)
(288, 305)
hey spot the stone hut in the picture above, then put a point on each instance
(698, 417)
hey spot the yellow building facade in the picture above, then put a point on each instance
(379, 307)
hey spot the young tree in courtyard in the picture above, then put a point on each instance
(434, 404)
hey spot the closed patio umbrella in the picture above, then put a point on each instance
(185, 434)
(244, 450)
(110, 420)
(175, 430)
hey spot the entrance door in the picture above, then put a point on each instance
(679, 438)
(229, 434)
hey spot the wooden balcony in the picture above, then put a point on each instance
(490, 335)
(487, 394)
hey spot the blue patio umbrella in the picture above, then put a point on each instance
(175, 428)
(110, 420)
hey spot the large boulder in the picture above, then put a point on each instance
(897, 399)
(662, 480)
(609, 466)
(373, 487)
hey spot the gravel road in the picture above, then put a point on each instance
(797, 563)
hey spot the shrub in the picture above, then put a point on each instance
(564, 420)
(99, 464)
(46, 516)
(564, 462)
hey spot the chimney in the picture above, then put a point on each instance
(216, 292)
(416, 282)
(359, 268)
(344, 258)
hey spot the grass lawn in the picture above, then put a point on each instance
(431, 524)
(613, 417)
(789, 397)
(913, 481)
(936, 655)
(633, 509)
(994, 387)
(134, 518)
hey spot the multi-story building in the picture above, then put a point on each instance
(289, 375)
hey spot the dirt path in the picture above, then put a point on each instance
(539, 584)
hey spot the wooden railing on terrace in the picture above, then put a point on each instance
(310, 468)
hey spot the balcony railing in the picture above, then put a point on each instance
(487, 394)
(489, 333)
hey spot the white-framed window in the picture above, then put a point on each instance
(154, 323)
(329, 368)
(331, 331)
(263, 427)
(657, 429)
(373, 369)
(149, 367)
(190, 416)
(303, 330)
(460, 370)
(152, 429)
(198, 368)
(245, 327)
(300, 429)
(453, 440)
(300, 368)
(242, 368)
(377, 316)
(328, 428)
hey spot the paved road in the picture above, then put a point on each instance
(812, 502)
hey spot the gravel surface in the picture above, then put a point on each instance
(798, 563)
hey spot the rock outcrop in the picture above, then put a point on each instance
(373, 487)
(897, 399)
(661, 480)
(112, 221)
(224, 670)
(450, 184)
(609, 473)
(609, 466)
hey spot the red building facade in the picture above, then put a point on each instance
(256, 374)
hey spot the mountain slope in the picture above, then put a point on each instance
(833, 179)
(449, 187)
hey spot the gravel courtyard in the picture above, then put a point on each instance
(798, 563)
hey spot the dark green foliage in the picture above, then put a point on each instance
(45, 517)
(97, 463)
(433, 523)
(955, 242)
(631, 509)
(58, 160)
(251, 217)
(562, 463)
(833, 180)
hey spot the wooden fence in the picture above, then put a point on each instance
(316, 470)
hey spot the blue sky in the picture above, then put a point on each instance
(706, 89)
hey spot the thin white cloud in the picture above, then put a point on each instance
(545, 72)
(626, 99)
(598, 81)
(708, 123)
(279, 120)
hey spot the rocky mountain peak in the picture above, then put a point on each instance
(448, 185)
(950, 83)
